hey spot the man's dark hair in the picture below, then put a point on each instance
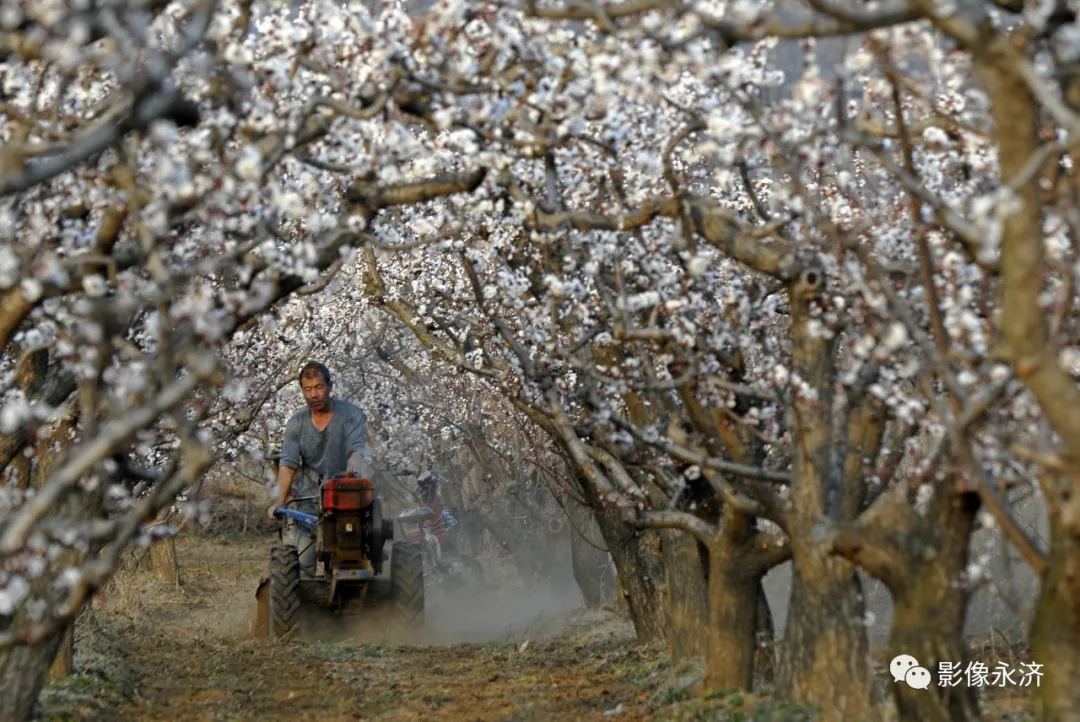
(311, 369)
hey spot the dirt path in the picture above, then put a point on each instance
(209, 681)
(184, 653)
(156, 652)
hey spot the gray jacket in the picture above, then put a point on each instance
(321, 455)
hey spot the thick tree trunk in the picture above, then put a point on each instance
(1055, 639)
(22, 675)
(1055, 633)
(733, 618)
(24, 669)
(687, 595)
(589, 557)
(929, 610)
(640, 575)
(825, 657)
(930, 640)
(826, 652)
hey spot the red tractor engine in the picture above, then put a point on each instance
(347, 494)
(352, 529)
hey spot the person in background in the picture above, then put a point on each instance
(444, 525)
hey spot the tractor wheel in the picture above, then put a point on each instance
(284, 591)
(407, 583)
(377, 540)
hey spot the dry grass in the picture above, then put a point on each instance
(215, 595)
(133, 589)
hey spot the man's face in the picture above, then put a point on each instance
(316, 393)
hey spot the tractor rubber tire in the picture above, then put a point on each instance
(378, 555)
(284, 591)
(407, 583)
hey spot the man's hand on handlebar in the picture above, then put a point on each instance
(272, 511)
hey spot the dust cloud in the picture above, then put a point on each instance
(500, 615)
(492, 614)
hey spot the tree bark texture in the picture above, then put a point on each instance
(733, 623)
(825, 655)
(930, 607)
(687, 595)
(640, 575)
(23, 671)
(589, 557)
(1055, 632)
(739, 615)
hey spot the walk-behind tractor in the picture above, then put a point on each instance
(451, 568)
(349, 535)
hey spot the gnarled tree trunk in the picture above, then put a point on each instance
(589, 557)
(1055, 632)
(641, 575)
(23, 671)
(1031, 344)
(733, 621)
(930, 607)
(739, 617)
(25, 668)
(826, 651)
(738, 556)
(922, 559)
(687, 594)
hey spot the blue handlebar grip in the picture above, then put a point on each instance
(307, 522)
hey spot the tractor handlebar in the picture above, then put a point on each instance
(307, 522)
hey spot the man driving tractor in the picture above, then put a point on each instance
(322, 440)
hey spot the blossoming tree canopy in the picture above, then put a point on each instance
(820, 296)
(655, 237)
